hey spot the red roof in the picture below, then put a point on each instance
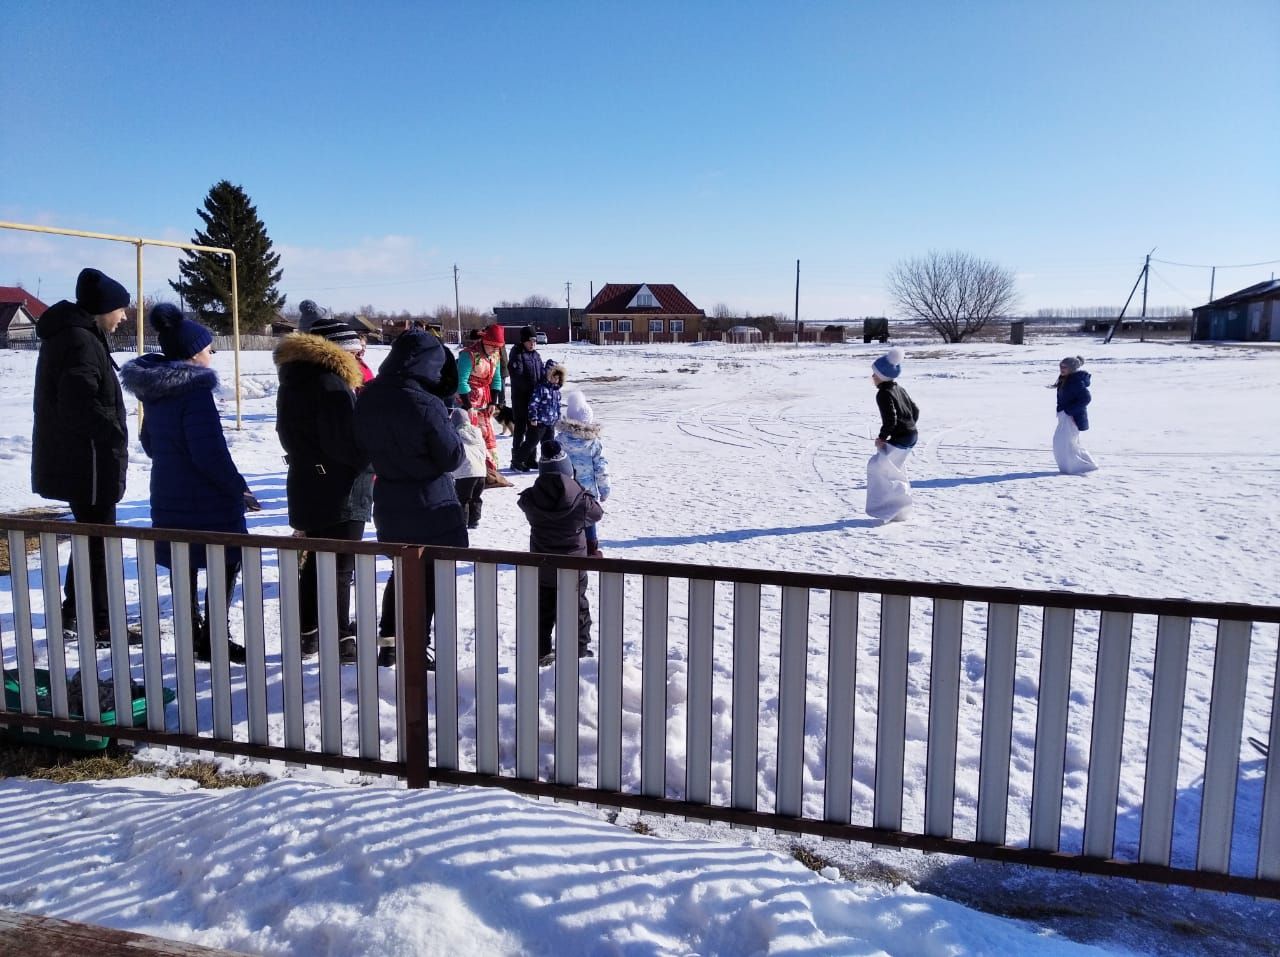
(18, 294)
(613, 299)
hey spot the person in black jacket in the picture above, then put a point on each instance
(79, 442)
(888, 487)
(525, 367)
(558, 510)
(330, 483)
(402, 425)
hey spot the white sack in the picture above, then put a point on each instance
(888, 488)
(1072, 459)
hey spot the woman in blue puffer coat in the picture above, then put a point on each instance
(402, 426)
(1073, 417)
(194, 483)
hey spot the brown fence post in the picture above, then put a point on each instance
(413, 664)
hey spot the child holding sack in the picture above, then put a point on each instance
(888, 488)
(1073, 417)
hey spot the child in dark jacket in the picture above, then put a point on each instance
(1072, 385)
(544, 413)
(558, 510)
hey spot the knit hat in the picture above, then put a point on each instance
(180, 338)
(98, 294)
(336, 331)
(493, 334)
(578, 409)
(889, 365)
(309, 314)
(554, 461)
(1071, 363)
(526, 333)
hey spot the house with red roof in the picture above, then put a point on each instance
(641, 312)
(19, 311)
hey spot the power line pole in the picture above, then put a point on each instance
(457, 309)
(1146, 271)
(568, 310)
(797, 303)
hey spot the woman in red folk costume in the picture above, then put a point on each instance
(479, 380)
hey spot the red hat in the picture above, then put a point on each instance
(493, 334)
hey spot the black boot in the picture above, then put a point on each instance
(473, 520)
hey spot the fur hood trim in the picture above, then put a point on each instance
(153, 377)
(557, 374)
(319, 351)
(579, 430)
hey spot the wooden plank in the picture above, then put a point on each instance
(697, 763)
(485, 599)
(565, 644)
(944, 718)
(1106, 737)
(792, 680)
(32, 935)
(891, 720)
(653, 687)
(1052, 706)
(997, 722)
(1164, 736)
(609, 718)
(842, 693)
(1222, 746)
(746, 696)
(528, 715)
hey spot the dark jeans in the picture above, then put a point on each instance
(97, 514)
(308, 612)
(525, 455)
(469, 492)
(593, 537)
(547, 616)
(519, 424)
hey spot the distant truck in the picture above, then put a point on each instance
(875, 328)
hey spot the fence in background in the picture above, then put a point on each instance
(755, 673)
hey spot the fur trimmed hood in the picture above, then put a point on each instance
(580, 430)
(153, 377)
(556, 373)
(319, 351)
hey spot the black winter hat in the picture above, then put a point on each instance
(97, 293)
(554, 461)
(526, 333)
(341, 334)
(180, 338)
(309, 314)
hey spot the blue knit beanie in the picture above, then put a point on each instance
(889, 365)
(98, 294)
(180, 338)
(309, 314)
(554, 459)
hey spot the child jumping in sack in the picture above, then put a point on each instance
(888, 488)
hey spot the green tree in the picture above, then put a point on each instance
(231, 221)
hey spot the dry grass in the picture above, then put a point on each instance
(33, 543)
(65, 767)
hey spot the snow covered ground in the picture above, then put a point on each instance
(750, 456)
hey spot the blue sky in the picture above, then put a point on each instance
(709, 145)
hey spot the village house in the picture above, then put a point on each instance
(641, 312)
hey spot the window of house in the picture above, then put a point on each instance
(655, 325)
(646, 300)
(605, 325)
(677, 325)
(624, 325)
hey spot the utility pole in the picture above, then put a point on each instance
(797, 303)
(1213, 274)
(457, 309)
(1146, 272)
(568, 310)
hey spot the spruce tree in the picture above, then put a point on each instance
(231, 221)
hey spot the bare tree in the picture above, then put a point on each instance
(955, 293)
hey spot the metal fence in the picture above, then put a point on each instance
(800, 702)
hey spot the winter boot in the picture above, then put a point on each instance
(473, 515)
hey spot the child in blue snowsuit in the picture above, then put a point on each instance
(544, 413)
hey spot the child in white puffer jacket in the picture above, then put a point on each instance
(579, 436)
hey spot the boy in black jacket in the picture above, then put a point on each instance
(558, 510)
